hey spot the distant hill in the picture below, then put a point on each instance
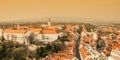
(62, 20)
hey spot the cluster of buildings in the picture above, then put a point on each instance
(22, 34)
(46, 33)
(88, 48)
(69, 53)
(103, 43)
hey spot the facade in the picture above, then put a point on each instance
(15, 35)
(49, 35)
(37, 33)
(49, 23)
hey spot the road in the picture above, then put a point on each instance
(77, 50)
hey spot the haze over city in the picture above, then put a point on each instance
(59, 30)
(61, 10)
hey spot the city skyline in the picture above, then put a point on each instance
(104, 10)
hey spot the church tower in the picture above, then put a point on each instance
(49, 22)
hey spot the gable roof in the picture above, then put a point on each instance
(49, 32)
(52, 27)
(14, 31)
(35, 29)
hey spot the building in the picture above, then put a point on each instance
(49, 35)
(15, 35)
(37, 33)
(49, 22)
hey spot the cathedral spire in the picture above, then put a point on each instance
(49, 22)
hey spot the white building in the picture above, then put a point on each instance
(49, 22)
(15, 35)
(49, 35)
(37, 33)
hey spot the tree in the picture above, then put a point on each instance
(31, 38)
(63, 39)
(49, 48)
(8, 52)
(42, 52)
(20, 53)
(2, 39)
(1, 49)
(79, 30)
(58, 46)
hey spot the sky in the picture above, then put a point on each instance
(105, 10)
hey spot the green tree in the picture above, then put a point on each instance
(49, 48)
(8, 52)
(63, 39)
(7, 47)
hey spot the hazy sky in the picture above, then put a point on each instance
(22, 9)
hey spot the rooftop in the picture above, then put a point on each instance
(49, 32)
(35, 29)
(14, 31)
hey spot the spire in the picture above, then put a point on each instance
(49, 22)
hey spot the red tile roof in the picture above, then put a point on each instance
(52, 27)
(115, 46)
(49, 32)
(35, 29)
(83, 52)
(88, 38)
(109, 42)
(14, 31)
